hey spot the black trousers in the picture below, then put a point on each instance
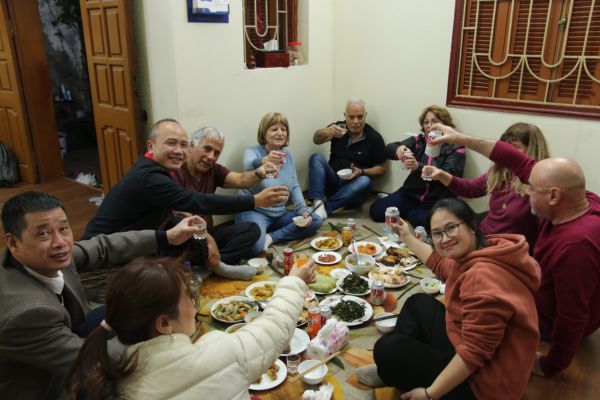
(418, 349)
(235, 241)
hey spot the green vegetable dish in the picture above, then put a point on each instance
(354, 284)
(348, 310)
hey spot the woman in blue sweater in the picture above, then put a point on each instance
(276, 224)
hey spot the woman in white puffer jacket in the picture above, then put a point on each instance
(151, 311)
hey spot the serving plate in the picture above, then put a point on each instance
(298, 343)
(333, 300)
(378, 248)
(340, 281)
(227, 300)
(249, 289)
(337, 257)
(267, 383)
(314, 242)
(388, 285)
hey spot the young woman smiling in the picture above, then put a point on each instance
(482, 344)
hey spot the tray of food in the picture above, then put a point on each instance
(350, 309)
(355, 285)
(398, 257)
(232, 309)
(327, 257)
(325, 243)
(391, 277)
(369, 248)
(261, 290)
(271, 378)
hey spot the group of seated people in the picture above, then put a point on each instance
(529, 268)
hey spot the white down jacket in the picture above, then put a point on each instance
(219, 365)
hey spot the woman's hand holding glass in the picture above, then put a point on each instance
(403, 230)
(306, 272)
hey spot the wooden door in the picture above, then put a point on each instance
(13, 120)
(107, 29)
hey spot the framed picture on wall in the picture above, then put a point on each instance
(208, 10)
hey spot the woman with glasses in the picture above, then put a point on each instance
(416, 196)
(482, 343)
(276, 223)
(509, 210)
(152, 311)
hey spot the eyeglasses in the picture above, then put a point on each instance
(451, 230)
(432, 122)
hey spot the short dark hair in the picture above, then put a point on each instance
(15, 209)
(463, 212)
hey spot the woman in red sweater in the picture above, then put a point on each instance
(509, 210)
(482, 344)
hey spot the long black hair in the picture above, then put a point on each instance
(463, 212)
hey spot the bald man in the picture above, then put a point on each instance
(568, 247)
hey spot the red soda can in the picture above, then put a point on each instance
(288, 260)
(314, 321)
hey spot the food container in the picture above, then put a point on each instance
(300, 221)
(386, 325)
(235, 327)
(347, 235)
(259, 263)
(368, 263)
(345, 173)
(314, 377)
(252, 316)
(430, 285)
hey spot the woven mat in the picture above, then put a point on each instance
(362, 338)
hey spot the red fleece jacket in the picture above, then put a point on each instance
(491, 317)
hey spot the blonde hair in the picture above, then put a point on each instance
(535, 147)
(268, 121)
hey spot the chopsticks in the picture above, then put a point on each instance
(318, 204)
(386, 317)
(317, 365)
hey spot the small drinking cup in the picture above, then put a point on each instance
(293, 361)
(202, 234)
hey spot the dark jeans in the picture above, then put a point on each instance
(323, 181)
(418, 349)
(235, 241)
(410, 208)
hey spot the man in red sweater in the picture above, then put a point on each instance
(568, 246)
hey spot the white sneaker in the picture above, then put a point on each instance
(320, 211)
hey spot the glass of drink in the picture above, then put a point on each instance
(270, 171)
(293, 361)
(202, 234)
(301, 259)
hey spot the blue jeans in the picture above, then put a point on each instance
(323, 181)
(281, 229)
(410, 208)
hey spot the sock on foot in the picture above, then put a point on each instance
(368, 375)
(243, 272)
(320, 211)
(268, 241)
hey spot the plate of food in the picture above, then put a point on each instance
(271, 378)
(350, 309)
(369, 248)
(298, 343)
(327, 257)
(355, 285)
(325, 284)
(231, 310)
(398, 257)
(339, 273)
(391, 277)
(261, 290)
(325, 243)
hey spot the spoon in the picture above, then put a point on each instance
(358, 261)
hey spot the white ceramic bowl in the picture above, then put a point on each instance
(235, 327)
(367, 260)
(314, 377)
(259, 263)
(387, 325)
(344, 173)
(251, 316)
(430, 285)
(300, 221)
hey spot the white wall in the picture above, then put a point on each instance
(197, 75)
(396, 54)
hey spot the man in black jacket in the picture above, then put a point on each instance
(147, 195)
